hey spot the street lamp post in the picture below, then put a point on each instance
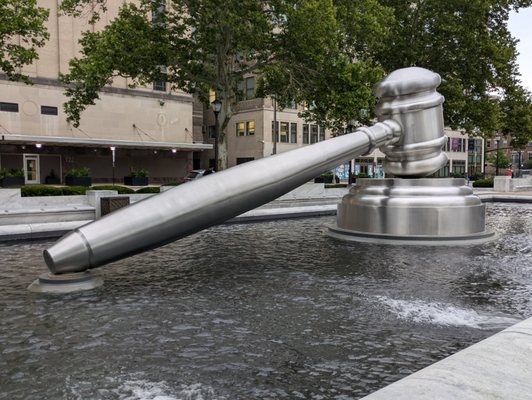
(274, 99)
(497, 140)
(216, 108)
(113, 149)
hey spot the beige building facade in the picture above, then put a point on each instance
(250, 131)
(148, 128)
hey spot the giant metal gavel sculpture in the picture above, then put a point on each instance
(409, 131)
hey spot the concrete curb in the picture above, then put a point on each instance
(38, 230)
(498, 367)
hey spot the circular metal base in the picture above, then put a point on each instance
(365, 237)
(65, 283)
(429, 211)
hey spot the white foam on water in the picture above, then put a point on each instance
(434, 313)
(144, 390)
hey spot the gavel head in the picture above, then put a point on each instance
(409, 97)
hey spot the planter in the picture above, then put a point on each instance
(12, 181)
(49, 180)
(136, 181)
(78, 181)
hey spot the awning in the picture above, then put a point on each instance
(89, 142)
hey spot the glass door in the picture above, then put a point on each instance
(31, 168)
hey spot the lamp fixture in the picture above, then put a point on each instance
(174, 150)
(38, 145)
(216, 106)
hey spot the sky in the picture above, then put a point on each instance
(520, 25)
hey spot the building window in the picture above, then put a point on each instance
(250, 88)
(159, 86)
(313, 134)
(283, 134)
(305, 134)
(488, 143)
(292, 105)
(241, 129)
(8, 107)
(456, 145)
(322, 133)
(245, 128)
(48, 110)
(273, 132)
(212, 131)
(293, 132)
(158, 12)
(459, 167)
(250, 128)
(242, 160)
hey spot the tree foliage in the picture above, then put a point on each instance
(22, 32)
(499, 159)
(326, 54)
(469, 45)
(300, 49)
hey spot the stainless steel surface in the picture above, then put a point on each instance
(66, 283)
(211, 200)
(434, 211)
(409, 97)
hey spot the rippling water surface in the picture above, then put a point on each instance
(271, 310)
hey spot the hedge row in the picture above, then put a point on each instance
(42, 190)
(483, 183)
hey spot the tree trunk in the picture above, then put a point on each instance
(223, 117)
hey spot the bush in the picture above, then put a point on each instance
(527, 164)
(483, 183)
(139, 173)
(41, 190)
(5, 173)
(456, 175)
(79, 172)
(38, 190)
(149, 189)
(361, 175)
(119, 189)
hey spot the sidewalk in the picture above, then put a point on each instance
(19, 220)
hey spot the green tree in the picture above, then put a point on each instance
(300, 49)
(499, 158)
(469, 45)
(22, 32)
(517, 109)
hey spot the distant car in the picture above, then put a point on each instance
(198, 173)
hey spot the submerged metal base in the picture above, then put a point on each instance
(65, 283)
(429, 211)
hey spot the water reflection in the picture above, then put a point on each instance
(260, 311)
